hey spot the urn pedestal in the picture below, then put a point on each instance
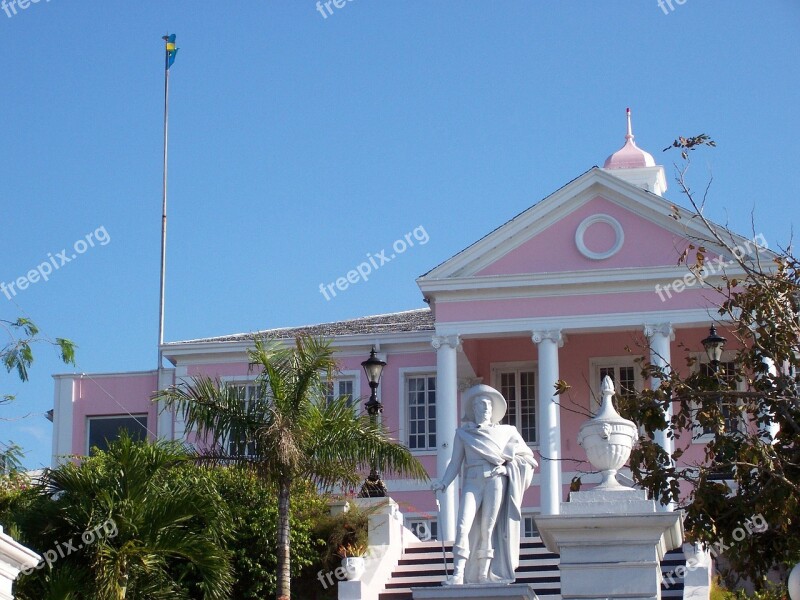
(610, 539)
(515, 591)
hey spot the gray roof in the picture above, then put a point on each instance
(420, 319)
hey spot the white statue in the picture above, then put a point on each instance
(498, 468)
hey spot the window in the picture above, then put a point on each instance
(243, 446)
(421, 415)
(624, 372)
(529, 528)
(341, 387)
(518, 386)
(624, 380)
(424, 529)
(730, 413)
(102, 430)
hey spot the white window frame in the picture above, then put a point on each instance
(698, 435)
(604, 362)
(403, 374)
(90, 418)
(353, 375)
(529, 515)
(497, 368)
(235, 381)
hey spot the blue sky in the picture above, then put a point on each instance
(298, 144)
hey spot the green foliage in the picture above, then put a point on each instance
(253, 507)
(10, 458)
(17, 354)
(157, 520)
(237, 498)
(346, 534)
(745, 472)
(294, 434)
(771, 592)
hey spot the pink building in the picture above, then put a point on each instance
(559, 292)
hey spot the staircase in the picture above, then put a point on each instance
(422, 566)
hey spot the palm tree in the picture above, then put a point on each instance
(287, 431)
(140, 528)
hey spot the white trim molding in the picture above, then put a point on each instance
(594, 219)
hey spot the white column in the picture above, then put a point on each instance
(165, 419)
(446, 423)
(659, 336)
(63, 403)
(548, 412)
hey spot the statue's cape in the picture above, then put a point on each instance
(502, 445)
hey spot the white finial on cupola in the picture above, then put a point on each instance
(629, 136)
(630, 156)
(636, 166)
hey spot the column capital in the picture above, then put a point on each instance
(663, 329)
(438, 341)
(554, 335)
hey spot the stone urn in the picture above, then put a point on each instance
(794, 583)
(354, 567)
(608, 439)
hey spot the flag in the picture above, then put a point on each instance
(171, 49)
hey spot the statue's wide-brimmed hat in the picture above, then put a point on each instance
(499, 405)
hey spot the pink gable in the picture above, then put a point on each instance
(554, 250)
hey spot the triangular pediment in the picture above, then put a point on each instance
(596, 223)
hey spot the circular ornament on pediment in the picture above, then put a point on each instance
(588, 222)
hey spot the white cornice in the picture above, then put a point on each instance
(109, 374)
(633, 321)
(566, 283)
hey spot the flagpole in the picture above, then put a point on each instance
(164, 211)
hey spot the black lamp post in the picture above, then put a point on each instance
(714, 345)
(373, 367)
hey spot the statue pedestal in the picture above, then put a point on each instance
(611, 544)
(489, 591)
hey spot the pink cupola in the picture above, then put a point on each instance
(636, 166)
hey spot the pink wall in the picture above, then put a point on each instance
(106, 395)
(389, 391)
(575, 369)
(113, 395)
(553, 250)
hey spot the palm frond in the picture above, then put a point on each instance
(339, 440)
(217, 410)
